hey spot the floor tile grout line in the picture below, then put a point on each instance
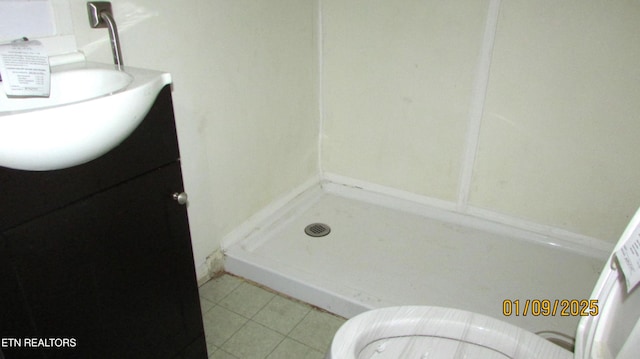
(264, 306)
(219, 277)
(226, 352)
(236, 331)
(262, 325)
(305, 344)
(246, 319)
(240, 314)
(309, 309)
(231, 291)
(299, 321)
(284, 337)
(293, 339)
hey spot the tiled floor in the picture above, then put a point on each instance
(243, 320)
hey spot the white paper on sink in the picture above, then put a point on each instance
(24, 66)
(629, 259)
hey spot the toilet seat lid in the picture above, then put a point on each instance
(614, 331)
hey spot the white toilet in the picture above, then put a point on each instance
(423, 332)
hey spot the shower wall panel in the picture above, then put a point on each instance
(556, 131)
(397, 79)
(559, 138)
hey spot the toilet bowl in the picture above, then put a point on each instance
(611, 330)
(436, 332)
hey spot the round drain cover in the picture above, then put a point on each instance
(317, 230)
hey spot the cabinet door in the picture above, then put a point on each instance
(114, 272)
(15, 321)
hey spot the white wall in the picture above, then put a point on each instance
(244, 74)
(545, 122)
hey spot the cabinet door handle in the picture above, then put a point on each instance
(182, 197)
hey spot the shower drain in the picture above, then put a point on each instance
(317, 230)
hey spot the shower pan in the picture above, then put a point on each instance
(383, 251)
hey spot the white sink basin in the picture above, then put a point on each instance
(92, 108)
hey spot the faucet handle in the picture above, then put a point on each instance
(95, 9)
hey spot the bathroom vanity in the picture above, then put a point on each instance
(96, 259)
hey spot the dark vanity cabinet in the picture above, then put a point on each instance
(96, 260)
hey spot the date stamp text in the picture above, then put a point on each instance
(550, 307)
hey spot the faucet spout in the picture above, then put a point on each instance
(114, 38)
(100, 15)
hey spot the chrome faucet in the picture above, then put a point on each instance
(100, 15)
